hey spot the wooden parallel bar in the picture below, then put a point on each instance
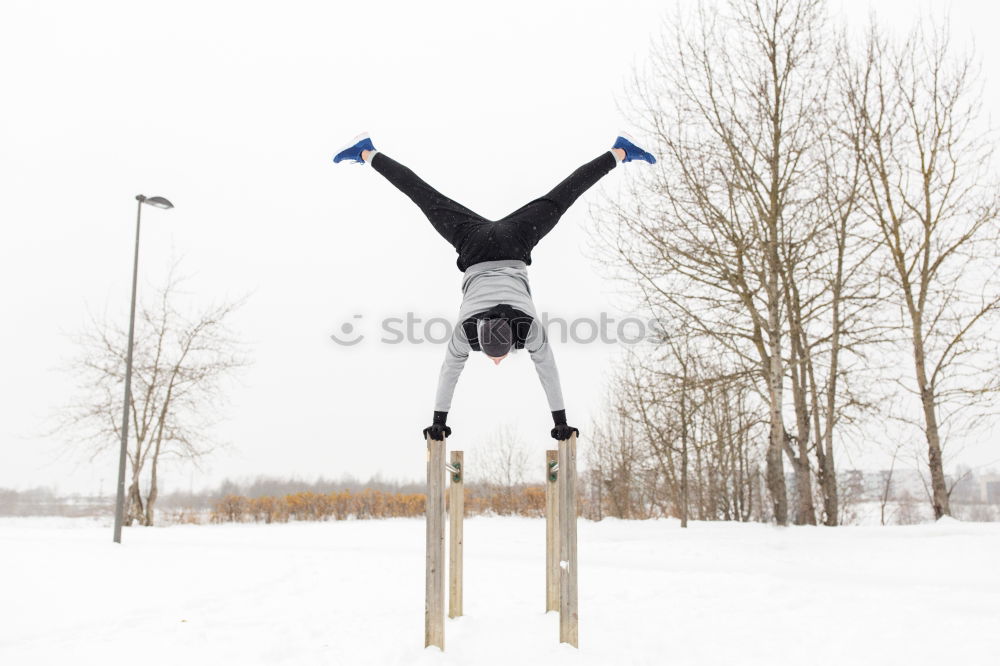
(434, 592)
(551, 531)
(456, 511)
(569, 613)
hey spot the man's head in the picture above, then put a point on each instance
(495, 338)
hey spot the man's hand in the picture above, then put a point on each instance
(438, 430)
(562, 431)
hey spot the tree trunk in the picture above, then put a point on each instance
(935, 461)
(151, 497)
(826, 468)
(134, 502)
(160, 427)
(805, 513)
(775, 475)
(799, 364)
(684, 484)
(684, 449)
(828, 483)
(775, 469)
(824, 442)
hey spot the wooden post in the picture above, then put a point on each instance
(456, 508)
(551, 531)
(434, 599)
(569, 613)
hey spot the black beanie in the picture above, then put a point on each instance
(495, 337)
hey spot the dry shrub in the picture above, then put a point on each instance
(401, 505)
(230, 509)
(184, 517)
(269, 509)
(372, 504)
(341, 504)
(532, 502)
(309, 506)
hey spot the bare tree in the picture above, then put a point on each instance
(834, 288)
(680, 437)
(180, 367)
(886, 493)
(501, 468)
(933, 199)
(618, 457)
(662, 397)
(736, 100)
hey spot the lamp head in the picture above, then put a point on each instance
(156, 202)
(159, 202)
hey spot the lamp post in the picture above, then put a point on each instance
(156, 202)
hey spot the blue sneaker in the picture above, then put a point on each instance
(353, 152)
(632, 151)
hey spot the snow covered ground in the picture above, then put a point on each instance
(352, 593)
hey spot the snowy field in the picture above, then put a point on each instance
(352, 593)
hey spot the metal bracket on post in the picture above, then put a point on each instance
(569, 612)
(456, 509)
(434, 590)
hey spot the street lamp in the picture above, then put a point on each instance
(156, 202)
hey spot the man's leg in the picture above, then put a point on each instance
(447, 216)
(537, 218)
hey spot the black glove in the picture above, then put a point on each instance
(438, 430)
(562, 431)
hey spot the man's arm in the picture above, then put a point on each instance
(455, 357)
(538, 346)
(545, 365)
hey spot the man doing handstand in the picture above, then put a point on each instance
(497, 313)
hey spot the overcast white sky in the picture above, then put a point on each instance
(233, 110)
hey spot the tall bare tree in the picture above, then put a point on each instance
(933, 198)
(833, 286)
(180, 366)
(736, 101)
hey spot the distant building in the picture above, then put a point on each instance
(990, 488)
(860, 485)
